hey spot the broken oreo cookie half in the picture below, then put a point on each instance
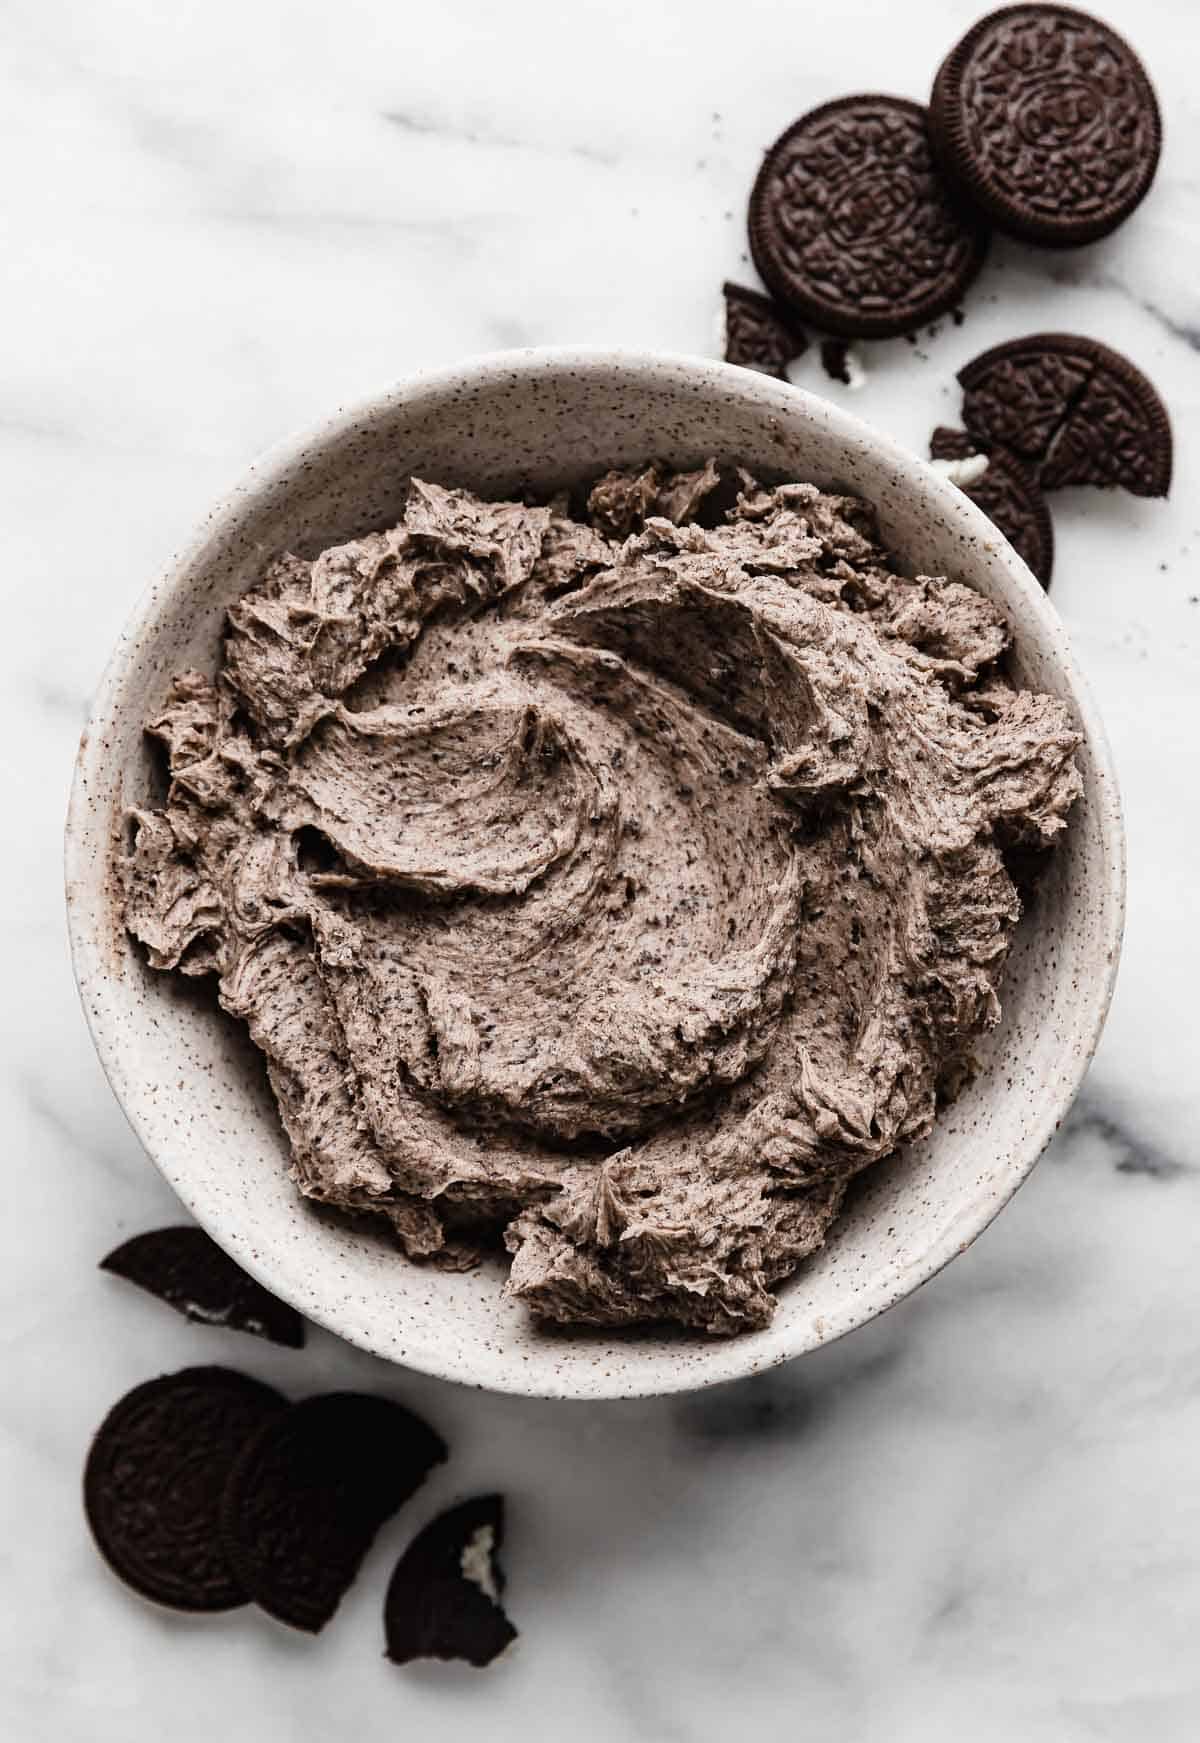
(1073, 410)
(309, 1492)
(185, 1268)
(1005, 490)
(155, 1477)
(443, 1600)
(758, 334)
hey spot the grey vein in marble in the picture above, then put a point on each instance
(1129, 1153)
(432, 127)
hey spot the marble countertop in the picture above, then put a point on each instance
(978, 1517)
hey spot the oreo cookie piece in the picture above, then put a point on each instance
(1074, 410)
(1046, 120)
(835, 360)
(443, 1600)
(852, 227)
(185, 1268)
(155, 1477)
(305, 1499)
(950, 444)
(1118, 434)
(758, 333)
(1007, 493)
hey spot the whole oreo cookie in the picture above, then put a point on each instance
(155, 1476)
(1076, 411)
(306, 1497)
(852, 227)
(1008, 494)
(1047, 120)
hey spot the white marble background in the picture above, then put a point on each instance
(978, 1518)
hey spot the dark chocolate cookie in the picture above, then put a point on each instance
(851, 226)
(1117, 434)
(950, 444)
(155, 1476)
(1074, 410)
(834, 353)
(443, 1600)
(185, 1268)
(304, 1501)
(758, 333)
(1047, 120)
(1009, 495)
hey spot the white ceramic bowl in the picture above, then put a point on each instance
(188, 1079)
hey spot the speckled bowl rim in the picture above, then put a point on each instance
(86, 862)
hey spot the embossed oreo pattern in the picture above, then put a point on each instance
(949, 444)
(155, 1477)
(1075, 410)
(1019, 395)
(1009, 495)
(1049, 121)
(757, 333)
(851, 226)
(1114, 437)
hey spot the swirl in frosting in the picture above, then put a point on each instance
(612, 885)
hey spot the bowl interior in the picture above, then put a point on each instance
(191, 1083)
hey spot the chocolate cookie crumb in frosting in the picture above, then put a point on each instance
(613, 886)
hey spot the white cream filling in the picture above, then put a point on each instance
(964, 473)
